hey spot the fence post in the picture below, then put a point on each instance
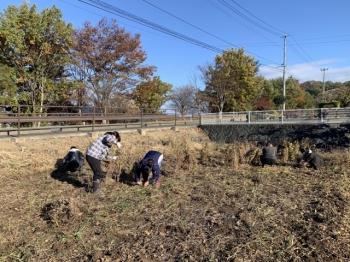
(175, 117)
(321, 114)
(248, 117)
(93, 119)
(141, 117)
(19, 120)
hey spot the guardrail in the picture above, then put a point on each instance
(58, 118)
(316, 115)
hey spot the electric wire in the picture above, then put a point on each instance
(116, 11)
(237, 20)
(259, 18)
(309, 60)
(302, 56)
(139, 28)
(248, 19)
(202, 30)
(182, 37)
(188, 23)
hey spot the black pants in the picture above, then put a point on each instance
(95, 165)
(267, 161)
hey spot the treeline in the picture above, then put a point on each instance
(44, 61)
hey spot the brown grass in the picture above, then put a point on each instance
(216, 203)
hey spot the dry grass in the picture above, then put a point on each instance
(215, 204)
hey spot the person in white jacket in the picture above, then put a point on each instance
(98, 151)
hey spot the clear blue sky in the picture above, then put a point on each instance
(318, 33)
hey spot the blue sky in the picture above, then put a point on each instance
(317, 33)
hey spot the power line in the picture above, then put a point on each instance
(308, 59)
(116, 11)
(237, 20)
(248, 19)
(257, 17)
(199, 28)
(313, 63)
(202, 29)
(139, 28)
(106, 7)
(187, 22)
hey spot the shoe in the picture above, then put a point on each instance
(96, 188)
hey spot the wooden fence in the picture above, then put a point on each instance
(20, 118)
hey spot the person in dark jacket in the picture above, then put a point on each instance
(150, 163)
(269, 156)
(314, 159)
(98, 151)
(74, 160)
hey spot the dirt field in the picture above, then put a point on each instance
(215, 204)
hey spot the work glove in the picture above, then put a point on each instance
(119, 145)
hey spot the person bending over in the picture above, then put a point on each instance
(269, 155)
(150, 163)
(312, 158)
(99, 150)
(74, 160)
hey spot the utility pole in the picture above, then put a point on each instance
(323, 85)
(284, 72)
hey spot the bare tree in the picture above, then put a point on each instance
(200, 99)
(183, 99)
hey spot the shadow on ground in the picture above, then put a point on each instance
(73, 179)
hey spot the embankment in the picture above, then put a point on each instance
(325, 136)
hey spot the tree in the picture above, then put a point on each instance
(262, 103)
(200, 98)
(108, 61)
(312, 87)
(232, 83)
(295, 96)
(8, 88)
(36, 46)
(183, 99)
(151, 95)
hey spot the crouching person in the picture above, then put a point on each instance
(98, 151)
(269, 155)
(74, 160)
(150, 163)
(312, 158)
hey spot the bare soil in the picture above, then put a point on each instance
(216, 203)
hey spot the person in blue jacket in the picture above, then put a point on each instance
(150, 163)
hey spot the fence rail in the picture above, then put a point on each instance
(310, 116)
(20, 118)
